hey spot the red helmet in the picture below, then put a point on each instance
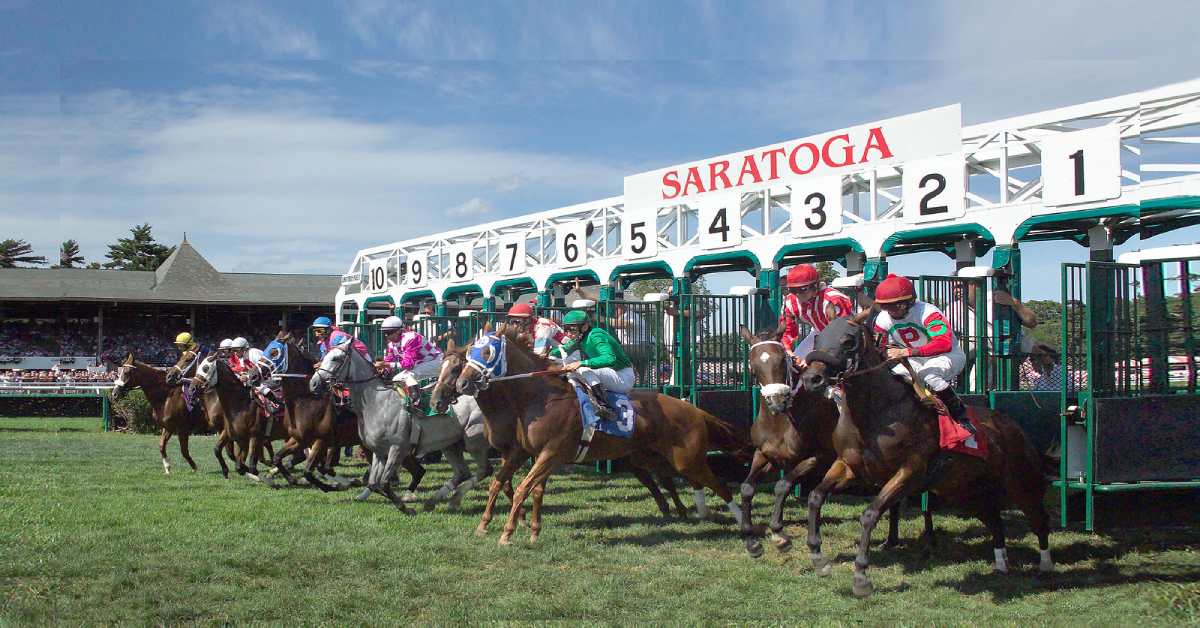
(802, 275)
(520, 310)
(894, 288)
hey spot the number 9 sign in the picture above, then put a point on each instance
(816, 207)
(417, 274)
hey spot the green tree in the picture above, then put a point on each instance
(68, 255)
(94, 266)
(13, 252)
(1049, 322)
(641, 288)
(827, 272)
(140, 252)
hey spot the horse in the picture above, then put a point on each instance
(166, 404)
(391, 432)
(245, 422)
(185, 369)
(503, 438)
(543, 413)
(792, 433)
(889, 438)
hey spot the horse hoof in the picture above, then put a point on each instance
(253, 477)
(362, 497)
(533, 538)
(821, 565)
(481, 531)
(782, 542)
(890, 544)
(430, 505)
(409, 496)
(504, 540)
(754, 549)
(862, 586)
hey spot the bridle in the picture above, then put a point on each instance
(491, 368)
(350, 352)
(792, 384)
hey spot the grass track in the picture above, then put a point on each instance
(95, 533)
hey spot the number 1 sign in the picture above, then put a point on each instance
(1081, 166)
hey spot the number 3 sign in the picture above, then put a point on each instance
(816, 207)
(935, 188)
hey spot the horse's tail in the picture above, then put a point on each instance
(731, 438)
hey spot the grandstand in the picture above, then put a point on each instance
(64, 321)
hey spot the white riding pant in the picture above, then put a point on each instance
(621, 381)
(422, 370)
(938, 371)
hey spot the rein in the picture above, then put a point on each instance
(333, 374)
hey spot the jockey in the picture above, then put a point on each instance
(408, 356)
(185, 342)
(328, 335)
(925, 338)
(224, 348)
(605, 367)
(807, 301)
(259, 370)
(237, 359)
(546, 333)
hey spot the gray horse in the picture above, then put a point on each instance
(391, 431)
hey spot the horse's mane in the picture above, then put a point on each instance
(522, 342)
(287, 338)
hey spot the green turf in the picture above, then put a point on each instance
(95, 533)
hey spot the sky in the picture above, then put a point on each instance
(284, 136)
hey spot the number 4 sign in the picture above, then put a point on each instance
(935, 188)
(720, 221)
(1081, 166)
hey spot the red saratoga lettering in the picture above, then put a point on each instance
(693, 179)
(816, 158)
(716, 170)
(749, 165)
(774, 154)
(670, 180)
(847, 151)
(876, 141)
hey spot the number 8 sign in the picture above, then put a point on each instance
(462, 262)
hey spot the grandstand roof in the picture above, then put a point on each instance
(185, 277)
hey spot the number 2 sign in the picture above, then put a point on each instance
(934, 188)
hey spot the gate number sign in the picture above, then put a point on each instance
(640, 234)
(462, 261)
(1081, 166)
(512, 255)
(720, 224)
(418, 269)
(816, 207)
(935, 188)
(377, 275)
(571, 242)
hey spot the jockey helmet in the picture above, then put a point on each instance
(322, 321)
(520, 310)
(226, 344)
(184, 338)
(392, 323)
(240, 343)
(893, 289)
(255, 355)
(575, 317)
(802, 275)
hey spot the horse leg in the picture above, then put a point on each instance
(482, 469)
(535, 519)
(162, 450)
(417, 471)
(542, 468)
(667, 482)
(757, 466)
(222, 444)
(255, 455)
(396, 453)
(836, 478)
(366, 478)
(783, 488)
(893, 537)
(988, 511)
(927, 551)
(508, 466)
(314, 454)
(895, 488)
(239, 449)
(1031, 504)
(647, 480)
(454, 455)
(183, 449)
(277, 465)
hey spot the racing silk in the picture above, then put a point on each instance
(546, 335)
(601, 351)
(337, 334)
(815, 313)
(924, 330)
(411, 350)
(239, 365)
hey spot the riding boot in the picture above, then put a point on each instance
(600, 403)
(955, 406)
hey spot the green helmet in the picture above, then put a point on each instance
(575, 317)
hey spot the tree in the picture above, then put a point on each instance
(94, 266)
(642, 287)
(68, 255)
(827, 272)
(140, 252)
(13, 252)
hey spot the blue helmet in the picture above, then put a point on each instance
(322, 321)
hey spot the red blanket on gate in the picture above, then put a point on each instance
(955, 438)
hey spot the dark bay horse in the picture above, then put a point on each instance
(166, 403)
(244, 420)
(543, 412)
(889, 438)
(185, 368)
(793, 434)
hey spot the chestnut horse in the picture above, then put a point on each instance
(185, 369)
(543, 412)
(166, 404)
(244, 420)
(793, 433)
(889, 438)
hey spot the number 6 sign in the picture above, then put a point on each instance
(571, 241)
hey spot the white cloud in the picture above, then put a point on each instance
(252, 24)
(267, 72)
(473, 207)
(415, 31)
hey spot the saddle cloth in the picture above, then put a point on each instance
(622, 427)
(189, 395)
(955, 438)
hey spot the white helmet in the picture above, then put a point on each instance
(392, 323)
(255, 355)
(240, 343)
(226, 344)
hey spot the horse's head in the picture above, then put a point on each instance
(208, 373)
(182, 367)
(338, 367)
(126, 378)
(287, 356)
(771, 367)
(445, 392)
(839, 350)
(485, 359)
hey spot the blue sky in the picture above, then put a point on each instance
(283, 136)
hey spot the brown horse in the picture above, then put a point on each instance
(166, 403)
(793, 433)
(180, 374)
(887, 437)
(545, 414)
(244, 420)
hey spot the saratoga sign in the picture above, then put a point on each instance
(924, 134)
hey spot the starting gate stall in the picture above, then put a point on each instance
(1128, 377)
(440, 330)
(1094, 173)
(641, 328)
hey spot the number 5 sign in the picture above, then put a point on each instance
(1081, 166)
(935, 188)
(640, 233)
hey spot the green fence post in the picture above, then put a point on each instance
(104, 413)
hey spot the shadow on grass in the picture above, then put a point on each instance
(45, 430)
